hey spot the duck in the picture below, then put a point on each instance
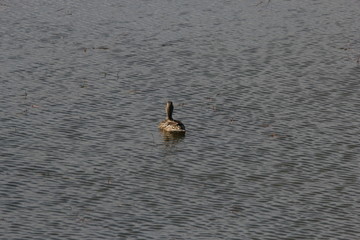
(169, 124)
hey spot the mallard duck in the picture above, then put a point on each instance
(169, 124)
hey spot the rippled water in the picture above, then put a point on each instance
(269, 94)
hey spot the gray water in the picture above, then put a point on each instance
(269, 94)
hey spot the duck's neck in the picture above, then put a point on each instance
(169, 111)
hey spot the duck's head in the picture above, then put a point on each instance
(169, 110)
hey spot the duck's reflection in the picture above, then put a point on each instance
(172, 138)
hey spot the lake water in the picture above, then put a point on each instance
(269, 94)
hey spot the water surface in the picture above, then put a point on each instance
(269, 94)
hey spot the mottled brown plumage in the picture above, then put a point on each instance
(169, 124)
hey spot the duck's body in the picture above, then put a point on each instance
(169, 124)
(172, 126)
